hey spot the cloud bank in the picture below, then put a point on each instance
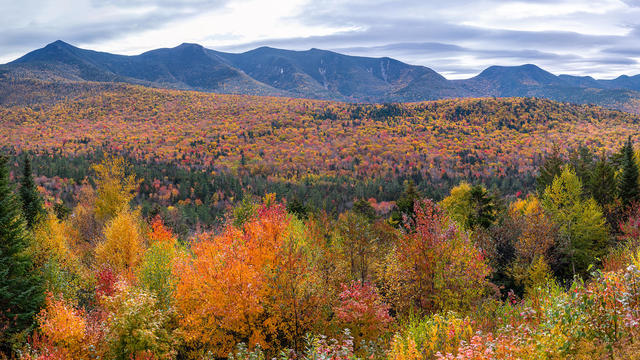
(457, 38)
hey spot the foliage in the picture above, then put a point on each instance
(581, 223)
(247, 285)
(66, 329)
(115, 188)
(442, 269)
(628, 189)
(470, 206)
(21, 292)
(362, 310)
(123, 246)
(32, 207)
(136, 325)
(425, 338)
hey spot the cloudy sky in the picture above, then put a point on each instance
(457, 38)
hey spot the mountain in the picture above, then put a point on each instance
(501, 81)
(186, 67)
(314, 73)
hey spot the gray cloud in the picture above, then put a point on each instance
(73, 28)
(459, 37)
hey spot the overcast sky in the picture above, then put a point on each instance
(457, 38)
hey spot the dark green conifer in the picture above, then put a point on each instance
(602, 182)
(405, 204)
(551, 168)
(21, 291)
(628, 183)
(32, 208)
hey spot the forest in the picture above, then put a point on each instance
(157, 224)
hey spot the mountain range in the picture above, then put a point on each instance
(314, 73)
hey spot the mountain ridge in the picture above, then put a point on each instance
(313, 73)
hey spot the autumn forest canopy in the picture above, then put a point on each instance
(141, 223)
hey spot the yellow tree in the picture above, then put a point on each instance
(115, 187)
(123, 244)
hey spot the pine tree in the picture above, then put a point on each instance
(551, 168)
(602, 184)
(628, 183)
(483, 212)
(406, 202)
(21, 293)
(31, 202)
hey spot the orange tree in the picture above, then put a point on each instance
(254, 285)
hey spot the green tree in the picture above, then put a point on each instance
(628, 183)
(582, 162)
(551, 167)
(602, 182)
(472, 207)
(21, 292)
(364, 208)
(297, 208)
(405, 204)
(31, 202)
(583, 231)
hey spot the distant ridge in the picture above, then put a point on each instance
(314, 73)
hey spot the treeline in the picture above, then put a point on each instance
(203, 196)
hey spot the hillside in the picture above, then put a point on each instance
(313, 74)
(289, 138)
(201, 220)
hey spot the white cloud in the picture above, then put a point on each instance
(457, 38)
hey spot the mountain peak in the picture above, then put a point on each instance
(189, 45)
(59, 44)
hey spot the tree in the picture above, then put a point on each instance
(551, 167)
(439, 266)
(155, 272)
(602, 182)
(123, 245)
(364, 208)
(628, 185)
(362, 310)
(251, 285)
(357, 245)
(21, 293)
(470, 206)
(115, 188)
(297, 208)
(581, 224)
(31, 202)
(405, 204)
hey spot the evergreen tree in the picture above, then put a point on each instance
(628, 183)
(364, 208)
(582, 162)
(602, 182)
(297, 208)
(551, 168)
(483, 211)
(31, 202)
(406, 202)
(21, 293)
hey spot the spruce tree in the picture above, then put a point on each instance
(21, 292)
(551, 168)
(405, 204)
(602, 184)
(628, 183)
(31, 202)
